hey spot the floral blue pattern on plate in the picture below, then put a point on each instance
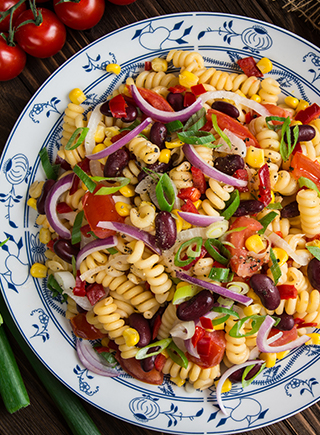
(288, 387)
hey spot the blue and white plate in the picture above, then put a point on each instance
(283, 390)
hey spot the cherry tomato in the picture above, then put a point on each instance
(12, 60)
(80, 16)
(100, 208)
(83, 329)
(122, 2)
(4, 6)
(241, 263)
(210, 347)
(44, 40)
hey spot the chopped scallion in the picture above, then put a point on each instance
(153, 348)
(76, 230)
(220, 274)
(275, 268)
(91, 185)
(305, 182)
(177, 355)
(266, 220)
(79, 134)
(220, 132)
(221, 254)
(246, 383)
(177, 258)
(196, 137)
(165, 193)
(107, 190)
(174, 126)
(231, 205)
(50, 170)
(315, 251)
(199, 115)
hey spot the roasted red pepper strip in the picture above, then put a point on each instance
(189, 207)
(199, 333)
(156, 327)
(178, 89)
(192, 193)
(302, 324)
(305, 167)
(249, 67)
(265, 185)
(203, 252)
(308, 114)
(242, 174)
(95, 292)
(63, 207)
(198, 89)
(80, 287)
(287, 291)
(206, 323)
(147, 66)
(117, 106)
(189, 98)
(159, 362)
(199, 180)
(102, 349)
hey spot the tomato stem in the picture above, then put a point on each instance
(10, 11)
(36, 13)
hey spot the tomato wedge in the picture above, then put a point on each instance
(277, 111)
(243, 264)
(210, 347)
(305, 167)
(83, 329)
(133, 368)
(286, 337)
(100, 208)
(225, 121)
(156, 100)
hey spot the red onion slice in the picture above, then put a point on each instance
(262, 338)
(91, 360)
(225, 376)
(242, 299)
(121, 142)
(199, 220)
(208, 170)
(161, 115)
(134, 232)
(54, 194)
(109, 242)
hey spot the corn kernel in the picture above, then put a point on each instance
(164, 156)
(291, 102)
(76, 96)
(99, 134)
(264, 65)
(159, 64)
(269, 358)
(255, 244)
(165, 353)
(227, 385)
(255, 157)
(294, 122)
(39, 270)
(188, 79)
(100, 147)
(178, 381)
(252, 295)
(111, 131)
(131, 336)
(281, 256)
(302, 105)
(127, 191)
(107, 142)
(281, 355)
(314, 338)
(32, 202)
(44, 236)
(256, 97)
(113, 68)
(174, 144)
(244, 196)
(252, 309)
(315, 242)
(123, 209)
(219, 327)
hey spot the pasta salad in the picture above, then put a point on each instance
(181, 219)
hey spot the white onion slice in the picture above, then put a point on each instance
(251, 104)
(238, 145)
(94, 246)
(242, 299)
(281, 243)
(191, 349)
(199, 220)
(161, 115)
(226, 375)
(95, 118)
(96, 169)
(208, 170)
(262, 337)
(91, 360)
(67, 282)
(53, 196)
(184, 330)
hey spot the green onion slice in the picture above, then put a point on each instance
(50, 170)
(79, 134)
(91, 185)
(195, 250)
(274, 206)
(315, 251)
(112, 251)
(305, 182)
(177, 258)
(76, 233)
(266, 220)
(220, 132)
(184, 293)
(54, 287)
(231, 205)
(177, 355)
(219, 320)
(4, 242)
(255, 325)
(165, 193)
(275, 268)
(111, 189)
(196, 137)
(131, 126)
(158, 346)
(225, 310)
(220, 274)
(223, 256)
(174, 126)
(286, 147)
(245, 383)
(196, 121)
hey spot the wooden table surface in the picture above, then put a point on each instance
(42, 417)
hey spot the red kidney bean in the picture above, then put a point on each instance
(63, 163)
(105, 110)
(264, 287)
(166, 230)
(147, 364)
(131, 112)
(250, 206)
(138, 322)
(158, 134)
(313, 272)
(226, 108)
(65, 250)
(290, 210)
(306, 133)
(175, 101)
(229, 164)
(42, 198)
(196, 307)
(156, 167)
(286, 322)
(116, 163)
(237, 375)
